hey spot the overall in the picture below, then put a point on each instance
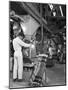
(18, 65)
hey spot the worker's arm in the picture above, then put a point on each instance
(23, 43)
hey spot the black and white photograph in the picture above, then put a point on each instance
(37, 44)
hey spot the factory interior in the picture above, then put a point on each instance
(45, 25)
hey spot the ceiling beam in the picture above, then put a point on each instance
(34, 13)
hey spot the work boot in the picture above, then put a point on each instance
(15, 80)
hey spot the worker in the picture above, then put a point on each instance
(18, 56)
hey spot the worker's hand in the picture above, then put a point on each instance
(32, 46)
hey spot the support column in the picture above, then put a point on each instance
(41, 26)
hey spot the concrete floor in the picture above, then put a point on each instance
(55, 76)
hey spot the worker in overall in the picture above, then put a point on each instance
(18, 43)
